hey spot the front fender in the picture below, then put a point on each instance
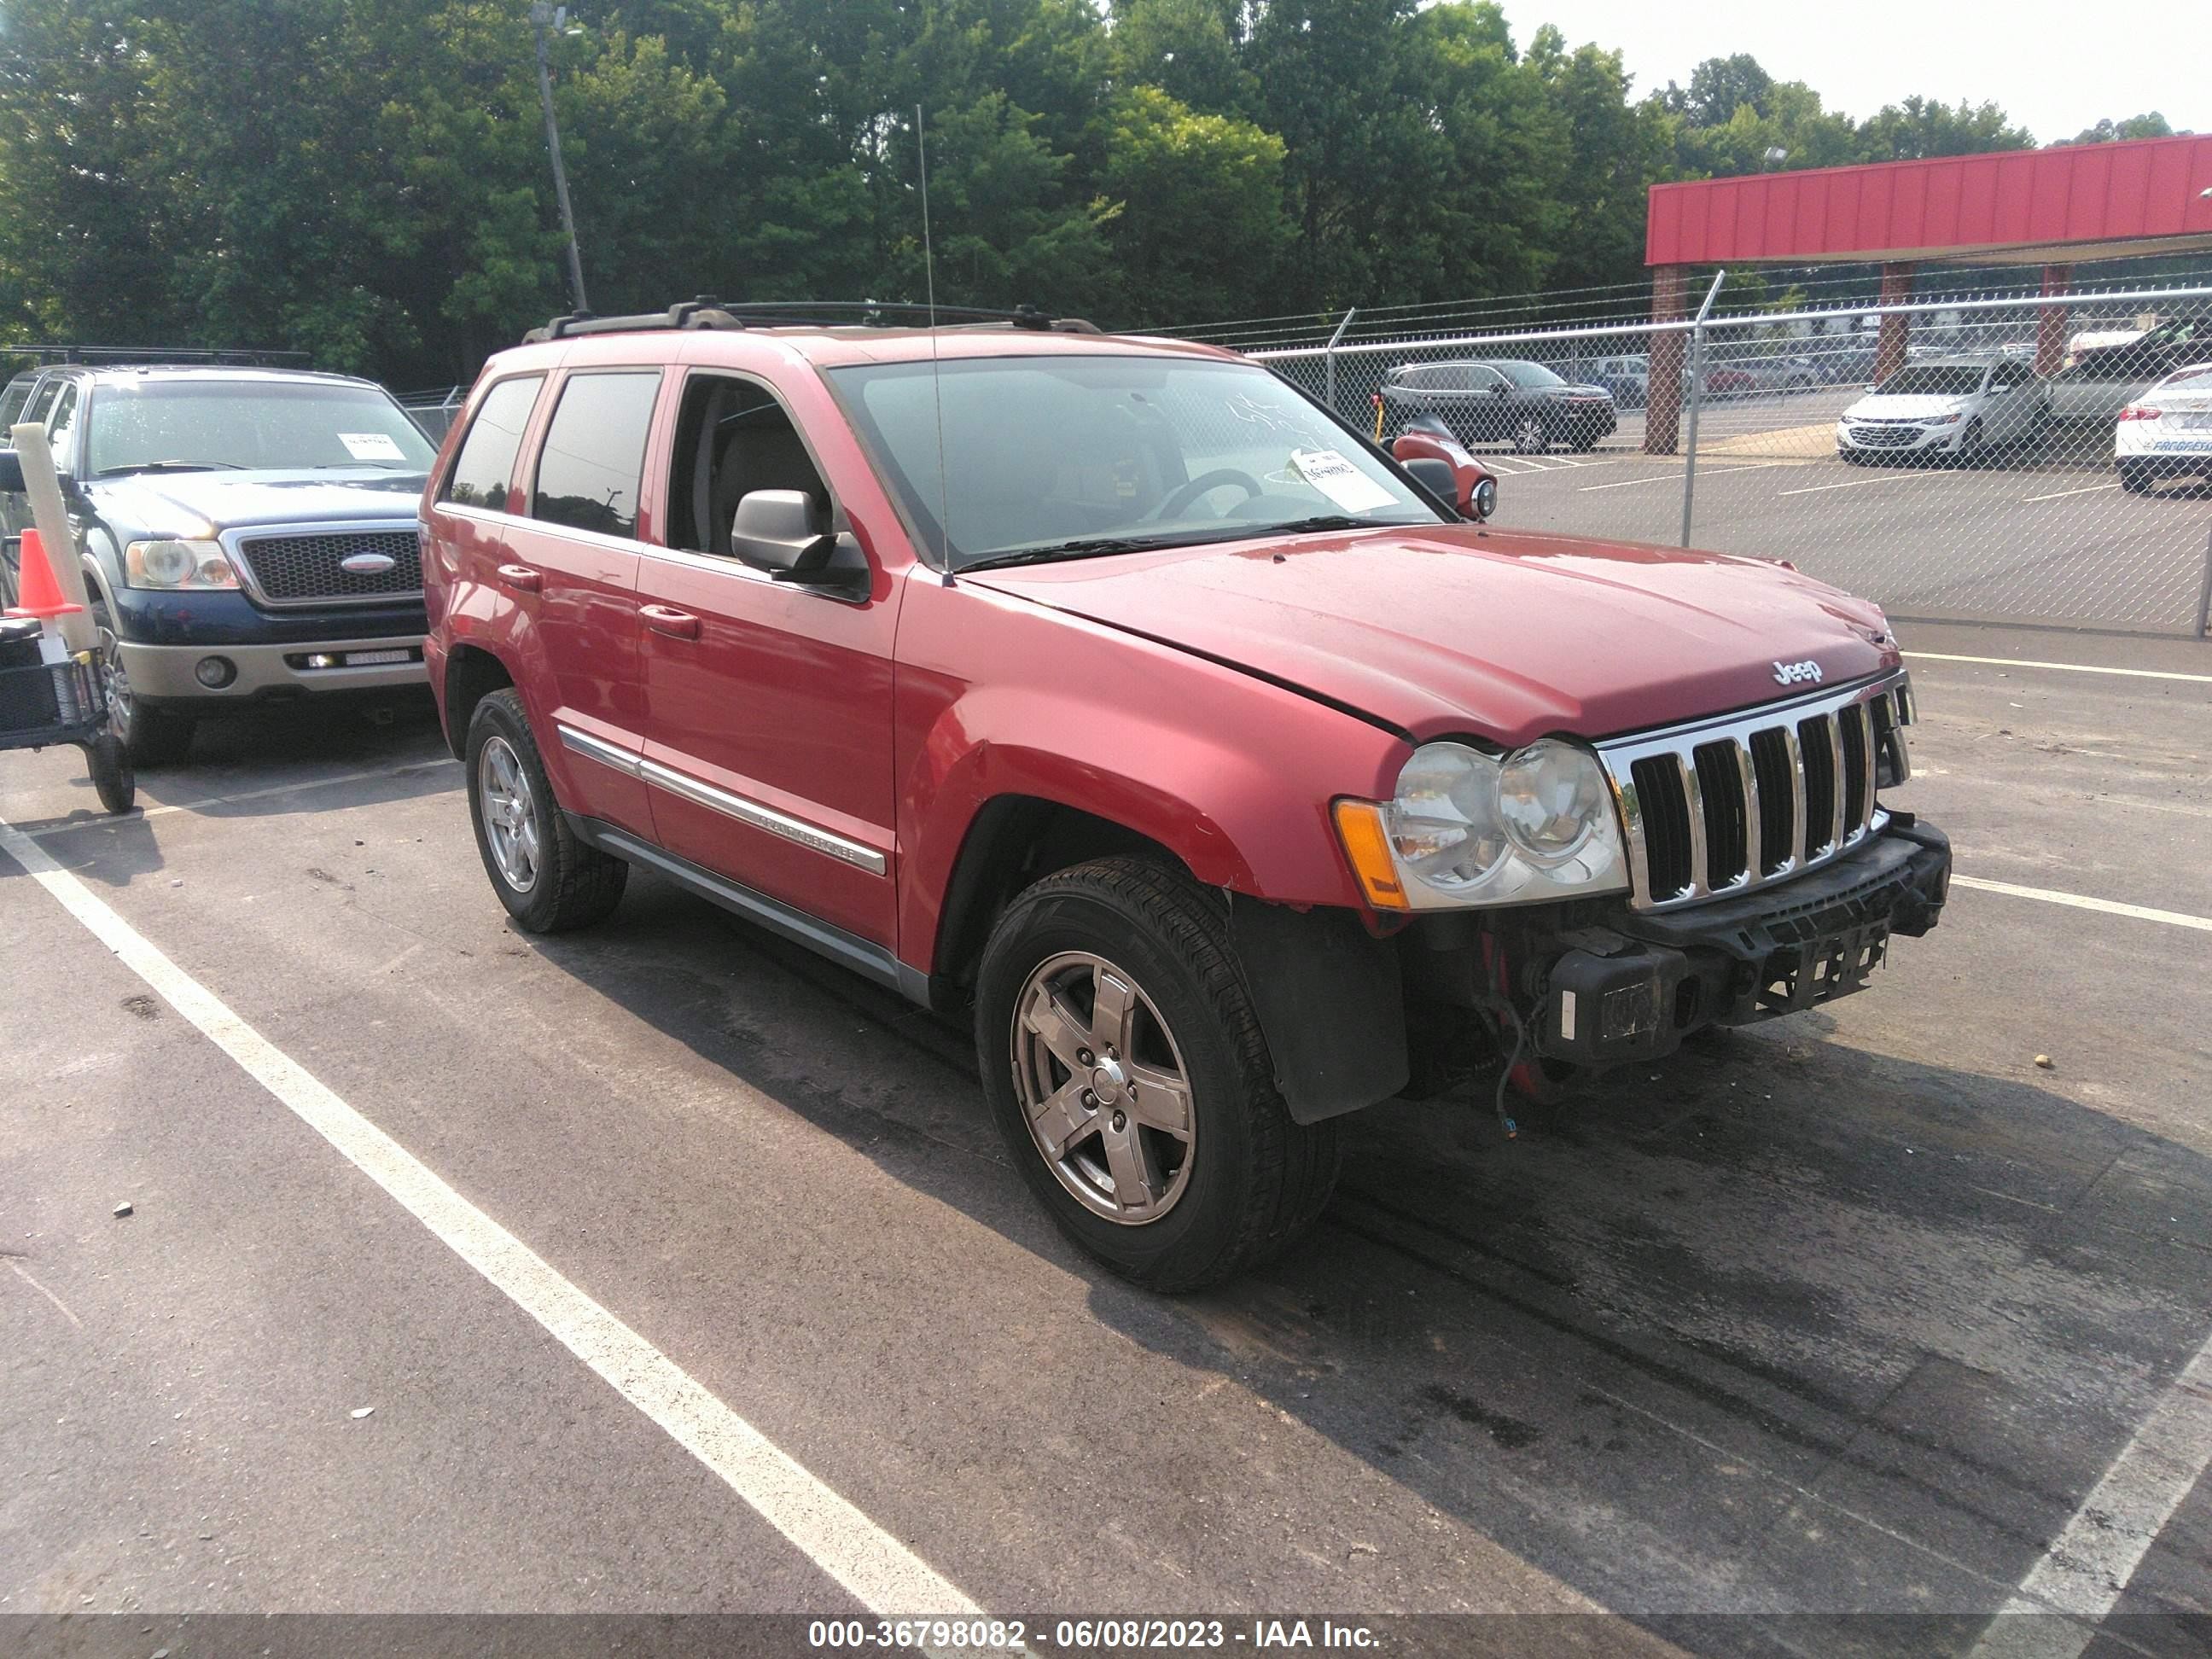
(1233, 775)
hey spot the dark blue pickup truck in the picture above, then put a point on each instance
(248, 535)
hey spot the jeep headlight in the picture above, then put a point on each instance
(171, 563)
(1468, 829)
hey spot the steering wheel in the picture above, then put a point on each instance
(1204, 481)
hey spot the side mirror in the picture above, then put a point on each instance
(785, 532)
(11, 473)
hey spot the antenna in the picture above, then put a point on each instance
(935, 375)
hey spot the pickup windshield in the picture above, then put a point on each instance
(183, 424)
(1078, 456)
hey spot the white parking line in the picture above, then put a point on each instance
(2086, 1570)
(1676, 477)
(1860, 483)
(2063, 667)
(2061, 495)
(2081, 901)
(873, 1566)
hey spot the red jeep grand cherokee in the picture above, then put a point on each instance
(1113, 688)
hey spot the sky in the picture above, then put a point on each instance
(2053, 67)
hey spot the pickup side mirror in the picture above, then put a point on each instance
(785, 532)
(11, 473)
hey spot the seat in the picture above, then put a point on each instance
(759, 450)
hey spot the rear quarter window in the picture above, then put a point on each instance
(486, 462)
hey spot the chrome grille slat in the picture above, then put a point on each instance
(1748, 776)
(1685, 765)
(1682, 821)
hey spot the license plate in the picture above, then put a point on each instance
(2192, 422)
(376, 659)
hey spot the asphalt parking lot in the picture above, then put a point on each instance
(1857, 1313)
(2040, 533)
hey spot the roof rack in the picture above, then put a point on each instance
(248, 357)
(708, 312)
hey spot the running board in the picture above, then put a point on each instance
(869, 960)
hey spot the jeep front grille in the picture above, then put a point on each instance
(1728, 804)
(297, 567)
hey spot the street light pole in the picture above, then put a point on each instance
(544, 16)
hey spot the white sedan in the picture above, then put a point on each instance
(1961, 408)
(2166, 432)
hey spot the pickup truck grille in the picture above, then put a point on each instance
(1722, 807)
(298, 568)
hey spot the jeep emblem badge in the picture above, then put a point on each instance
(375, 564)
(1789, 673)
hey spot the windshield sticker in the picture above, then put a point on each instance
(371, 445)
(1326, 471)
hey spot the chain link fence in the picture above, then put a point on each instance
(1992, 456)
(435, 410)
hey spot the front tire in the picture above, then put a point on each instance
(1125, 1065)
(148, 737)
(549, 880)
(1530, 435)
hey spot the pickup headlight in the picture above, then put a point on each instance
(171, 563)
(1468, 829)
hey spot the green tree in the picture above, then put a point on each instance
(1169, 168)
(2149, 125)
(1921, 127)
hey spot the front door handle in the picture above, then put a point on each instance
(667, 619)
(519, 577)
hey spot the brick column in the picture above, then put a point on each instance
(2053, 323)
(1663, 412)
(1890, 345)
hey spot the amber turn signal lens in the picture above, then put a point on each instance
(1367, 845)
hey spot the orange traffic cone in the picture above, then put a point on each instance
(41, 595)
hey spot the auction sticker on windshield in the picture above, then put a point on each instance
(1326, 471)
(371, 445)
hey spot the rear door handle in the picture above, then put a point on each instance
(667, 619)
(519, 577)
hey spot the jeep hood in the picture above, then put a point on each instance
(178, 503)
(1506, 633)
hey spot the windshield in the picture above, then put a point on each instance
(136, 425)
(1533, 376)
(1044, 453)
(1933, 381)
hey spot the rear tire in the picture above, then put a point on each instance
(2135, 480)
(1241, 1180)
(547, 877)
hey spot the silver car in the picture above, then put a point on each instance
(1958, 408)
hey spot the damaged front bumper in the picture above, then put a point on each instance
(1632, 986)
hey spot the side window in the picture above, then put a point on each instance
(11, 404)
(1483, 378)
(732, 437)
(594, 453)
(486, 462)
(43, 403)
(61, 431)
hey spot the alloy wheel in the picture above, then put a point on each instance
(1103, 1088)
(510, 814)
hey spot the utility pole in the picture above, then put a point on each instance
(544, 16)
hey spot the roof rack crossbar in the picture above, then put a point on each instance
(244, 355)
(708, 312)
